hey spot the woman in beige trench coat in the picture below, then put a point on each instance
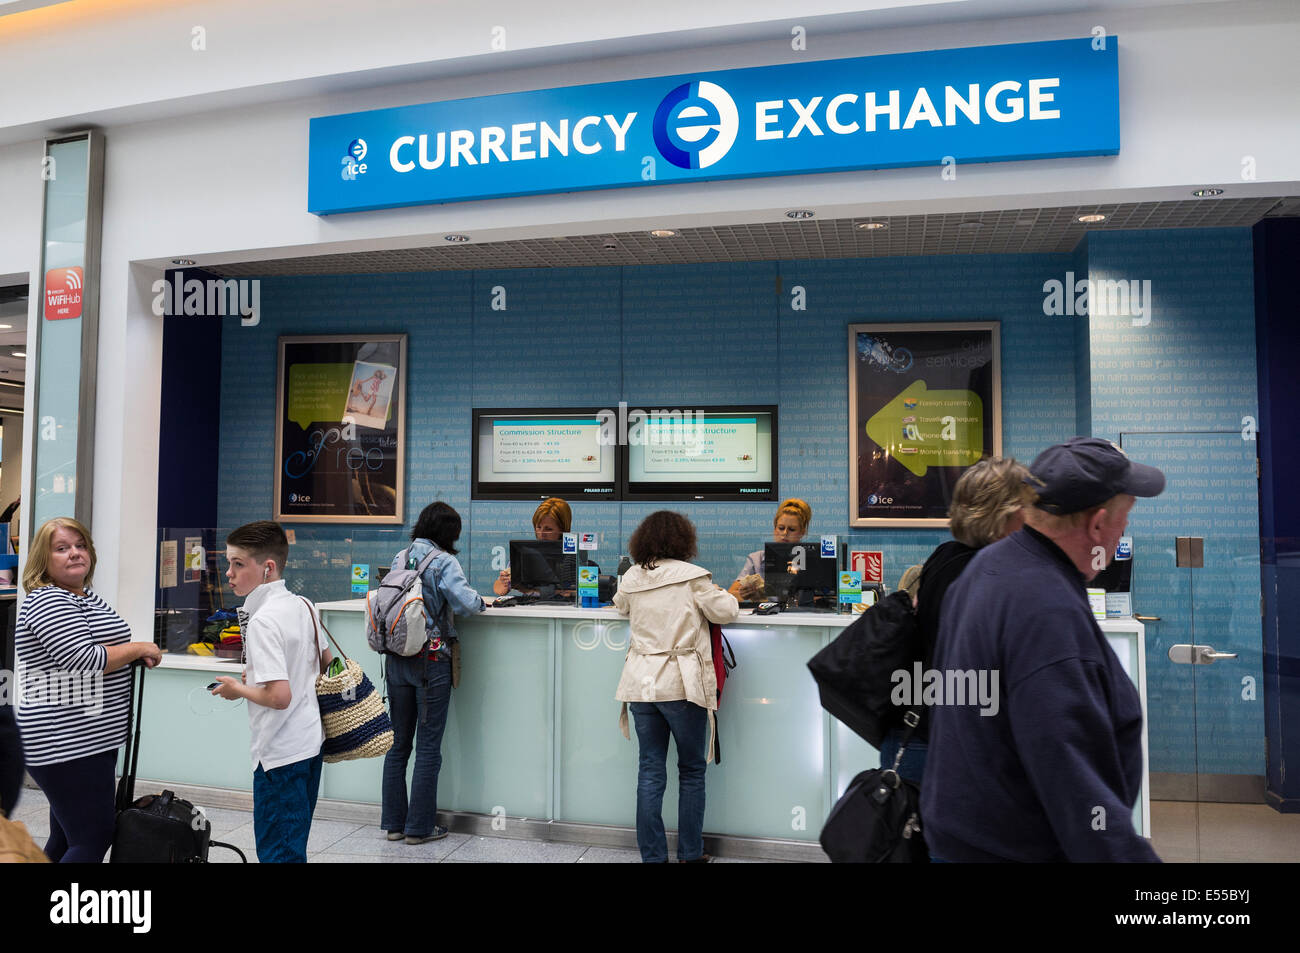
(668, 677)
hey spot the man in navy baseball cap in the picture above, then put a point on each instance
(1052, 770)
(1085, 472)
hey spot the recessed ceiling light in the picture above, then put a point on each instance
(182, 261)
(455, 238)
(872, 226)
(798, 213)
(18, 353)
(1091, 219)
(1206, 193)
(662, 232)
(5, 327)
(970, 225)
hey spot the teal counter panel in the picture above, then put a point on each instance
(497, 751)
(597, 766)
(188, 735)
(771, 782)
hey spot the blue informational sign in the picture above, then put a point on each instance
(982, 104)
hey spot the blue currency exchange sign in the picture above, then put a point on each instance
(983, 104)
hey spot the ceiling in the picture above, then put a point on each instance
(1008, 231)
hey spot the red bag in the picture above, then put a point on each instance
(724, 659)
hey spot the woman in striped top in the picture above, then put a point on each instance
(74, 684)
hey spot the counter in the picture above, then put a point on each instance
(533, 728)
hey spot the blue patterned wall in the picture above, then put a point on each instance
(676, 336)
(1190, 370)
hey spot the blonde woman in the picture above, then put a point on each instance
(67, 635)
(788, 526)
(988, 503)
(551, 520)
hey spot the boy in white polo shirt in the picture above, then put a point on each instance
(284, 651)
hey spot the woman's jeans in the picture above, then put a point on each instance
(913, 766)
(82, 813)
(688, 724)
(419, 692)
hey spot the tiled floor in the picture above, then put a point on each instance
(1183, 832)
(351, 843)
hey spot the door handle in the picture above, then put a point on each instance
(1196, 654)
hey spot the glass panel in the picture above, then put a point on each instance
(58, 358)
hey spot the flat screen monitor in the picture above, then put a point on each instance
(814, 581)
(532, 454)
(707, 453)
(540, 566)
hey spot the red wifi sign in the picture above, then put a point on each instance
(63, 287)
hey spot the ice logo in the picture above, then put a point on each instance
(696, 125)
(872, 499)
(293, 497)
(352, 164)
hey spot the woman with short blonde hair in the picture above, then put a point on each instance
(67, 635)
(551, 520)
(988, 498)
(788, 526)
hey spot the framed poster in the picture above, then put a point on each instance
(340, 429)
(925, 402)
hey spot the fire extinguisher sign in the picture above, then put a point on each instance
(871, 563)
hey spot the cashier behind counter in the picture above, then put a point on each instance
(788, 526)
(551, 520)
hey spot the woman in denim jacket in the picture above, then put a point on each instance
(419, 686)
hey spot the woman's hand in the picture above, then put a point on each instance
(150, 654)
(502, 584)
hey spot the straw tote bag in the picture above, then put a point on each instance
(352, 712)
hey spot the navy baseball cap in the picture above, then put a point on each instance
(1084, 472)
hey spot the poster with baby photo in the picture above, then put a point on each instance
(369, 394)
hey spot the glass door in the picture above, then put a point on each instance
(1196, 587)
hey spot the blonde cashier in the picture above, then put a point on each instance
(789, 526)
(551, 520)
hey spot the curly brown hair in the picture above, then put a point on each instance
(662, 535)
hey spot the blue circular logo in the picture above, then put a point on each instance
(357, 149)
(293, 497)
(696, 125)
(872, 499)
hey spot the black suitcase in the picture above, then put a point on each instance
(157, 828)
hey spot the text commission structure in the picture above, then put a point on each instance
(1043, 100)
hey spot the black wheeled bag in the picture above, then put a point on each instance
(157, 828)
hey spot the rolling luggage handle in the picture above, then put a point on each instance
(131, 757)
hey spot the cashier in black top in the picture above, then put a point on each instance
(788, 526)
(551, 520)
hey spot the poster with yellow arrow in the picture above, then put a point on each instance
(924, 405)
